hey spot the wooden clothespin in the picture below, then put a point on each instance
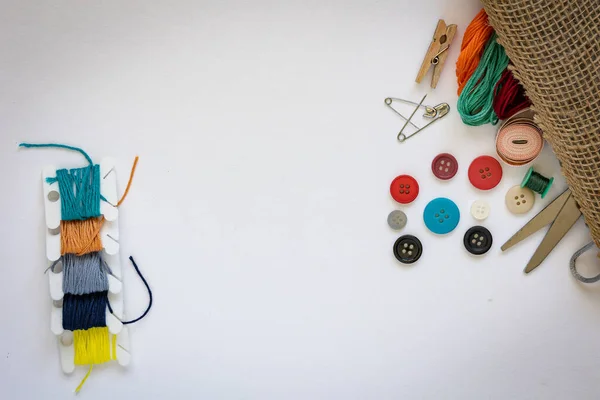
(437, 53)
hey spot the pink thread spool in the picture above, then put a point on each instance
(519, 140)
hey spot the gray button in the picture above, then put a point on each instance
(397, 220)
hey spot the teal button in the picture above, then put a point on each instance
(441, 216)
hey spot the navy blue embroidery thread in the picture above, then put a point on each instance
(149, 295)
(84, 311)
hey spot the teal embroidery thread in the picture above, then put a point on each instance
(79, 191)
(58, 146)
(475, 103)
(79, 187)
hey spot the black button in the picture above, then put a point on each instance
(408, 249)
(478, 240)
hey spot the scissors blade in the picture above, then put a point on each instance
(543, 218)
(566, 218)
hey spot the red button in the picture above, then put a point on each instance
(444, 166)
(404, 189)
(485, 172)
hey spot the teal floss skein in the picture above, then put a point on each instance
(475, 103)
(79, 192)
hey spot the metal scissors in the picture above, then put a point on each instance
(562, 212)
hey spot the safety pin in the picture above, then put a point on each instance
(441, 110)
(430, 112)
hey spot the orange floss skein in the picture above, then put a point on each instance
(476, 36)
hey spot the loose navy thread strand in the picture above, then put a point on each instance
(149, 295)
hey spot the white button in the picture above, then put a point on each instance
(480, 210)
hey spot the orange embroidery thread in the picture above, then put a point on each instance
(476, 36)
(80, 237)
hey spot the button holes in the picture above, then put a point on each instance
(441, 220)
(489, 174)
(408, 191)
(405, 245)
(522, 195)
(401, 186)
(476, 236)
(482, 176)
(411, 247)
(402, 192)
(523, 201)
(446, 169)
(442, 211)
(478, 243)
(518, 203)
(437, 215)
(516, 197)
(442, 162)
(487, 168)
(441, 168)
(410, 253)
(473, 241)
(446, 216)
(403, 251)
(408, 186)
(448, 163)
(481, 171)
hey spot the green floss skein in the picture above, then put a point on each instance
(475, 103)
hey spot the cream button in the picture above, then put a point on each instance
(480, 210)
(519, 200)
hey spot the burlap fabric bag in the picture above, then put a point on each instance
(555, 48)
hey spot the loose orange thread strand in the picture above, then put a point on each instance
(476, 36)
(130, 180)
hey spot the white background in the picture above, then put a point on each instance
(258, 212)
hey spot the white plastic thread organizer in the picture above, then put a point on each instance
(109, 235)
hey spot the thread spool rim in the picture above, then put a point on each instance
(527, 177)
(548, 187)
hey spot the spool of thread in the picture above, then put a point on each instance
(84, 274)
(519, 142)
(537, 182)
(84, 311)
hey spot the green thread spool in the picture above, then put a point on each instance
(537, 182)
